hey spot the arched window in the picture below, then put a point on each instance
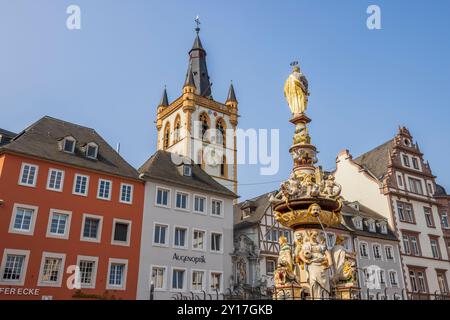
(204, 119)
(166, 136)
(223, 167)
(220, 133)
(176, 130)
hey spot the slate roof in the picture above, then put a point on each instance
(42, 140)
(440, 191)
(6, 136)
(259, 206)
(161, 167)
(349, 212)
(199, 69)
(376, 160)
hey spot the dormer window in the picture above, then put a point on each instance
(92, 150)
(358, 223)
(69, 144)
(371, 225)
(187, 170)
(383, 227)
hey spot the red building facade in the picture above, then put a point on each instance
(70, 216)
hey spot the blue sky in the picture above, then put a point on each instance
(110, 74)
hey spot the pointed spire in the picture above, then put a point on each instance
(189, 78)
(197, 66)
(231, 93)
(164, 100)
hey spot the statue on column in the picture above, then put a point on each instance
(296, 91)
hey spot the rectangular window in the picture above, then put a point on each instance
(444, 220)
(180, 237)
(81, 185)
(216, 207)
(28, 175)
(376, 252)
(393, 278)
(428, 217)
(216, 279)
(158, 275)
(405, 212)
(181, 201)
(363, 250)
(104, 189)
(415, 163)
(415, 185)
(13, 268)
(389, 254)
(435, 248)
(59, 223)
(91, 228)
(400, 181)
(160, 234)
(198, 240)
(381, 277)
(406, 245)
(216, 242)
(178, 279)
(415, 245)
(162, 197)
(199, 204)
(23, 219)
(87, 272)
(442, 281)
(55, 180)
(198, 278)
(116, 275)
(121, 234)
(422, 283)
(126, 193)
(51, 270)
(270, 266)
(406, 161)
(413, 281)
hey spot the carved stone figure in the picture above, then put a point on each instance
(296, 91)
(330, 188)
(315, 255)
(285, 268)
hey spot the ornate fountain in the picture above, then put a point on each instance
(309, 203)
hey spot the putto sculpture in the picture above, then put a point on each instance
(309, 202)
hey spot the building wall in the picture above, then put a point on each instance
(13, 193)
(359, 186)
(385, 264)
(163, 256)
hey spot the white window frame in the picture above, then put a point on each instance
(392, 252)
(187, 201)
(121, 243)
(383, 228)
(33, 185)
(121, 192)
(205, 274)
(92, 144)
(45, 255)
(380, 250)
(358, 222)
(222, 204)
(164, 287)
(396, 278)
(172, 289)
(94, 271)
(168, 197)
(205, 212)
(99, 231)
(23, 275)
(61, 183)
(221, 242)
(379, 272)
(63, 147)
(65, 236)
(205, 241)
(186, 239)
(100, 180)
(124, 276)
(210, 282)
(367, 250)
(33, 219)
(166, 239)
(75, 184)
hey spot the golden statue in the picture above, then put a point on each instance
(296, 91)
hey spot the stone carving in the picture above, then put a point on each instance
(284, 272)
(330, 188)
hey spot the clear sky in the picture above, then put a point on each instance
(110, 74)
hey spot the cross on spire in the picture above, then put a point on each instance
(197, 21)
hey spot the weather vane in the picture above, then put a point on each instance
(197, 21)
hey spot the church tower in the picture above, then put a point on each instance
(198, 127)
